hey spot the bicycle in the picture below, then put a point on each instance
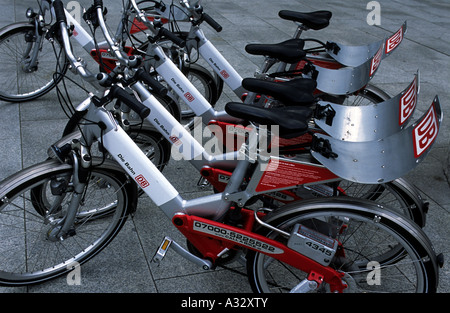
(323, 56)
(33, 63)
(321, 239)
(347, 82)
(400, 192)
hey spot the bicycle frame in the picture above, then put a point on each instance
(197, 219)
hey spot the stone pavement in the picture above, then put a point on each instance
(27, 129)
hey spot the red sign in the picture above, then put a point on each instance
(394, 41)
(140, 179)
(425, 132)
(224, 74)
(408, 102)
(283, 173)
(376, 61)
(175, 140)
(189, 97)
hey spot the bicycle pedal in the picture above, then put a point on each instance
(162, 250)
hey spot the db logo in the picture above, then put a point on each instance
(140, 179)
(408, 102)
(175, 140)
(426, 132)
(224, 74)
(376, 61)
(394, 40)
(189, 97)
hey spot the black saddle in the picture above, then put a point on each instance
(292, 121)
(289, 51)
(314, 20)
(295, 92)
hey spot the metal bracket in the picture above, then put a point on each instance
(313, 282)
(323, 147)
(168, 242)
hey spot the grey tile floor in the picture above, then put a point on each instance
(27, 129)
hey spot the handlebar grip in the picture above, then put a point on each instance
(144, 76)
(98, 3)
(130, 101)
(171, 36)
(212, 22)
(59, 11)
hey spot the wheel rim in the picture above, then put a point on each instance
(20, 84)
(403, 272)
(28, 255)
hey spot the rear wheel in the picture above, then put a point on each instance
(379, 250)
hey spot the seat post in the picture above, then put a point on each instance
(268, 62)
(297, 34)
(299, 30)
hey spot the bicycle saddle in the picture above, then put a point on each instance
(295, 92)
(289, 51)
(314, 20)
(292, 121)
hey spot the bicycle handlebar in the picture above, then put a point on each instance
(144, 76)
(212, 22)
(153, 28)
(172, 37)
(98, 4)
(115, 90)
(119, 93)
(197, 11)
(59, 11)
(60, 15)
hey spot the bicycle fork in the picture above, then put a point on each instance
(64, 228)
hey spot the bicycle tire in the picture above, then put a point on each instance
(25, 85)
(416, 259)
(29, 254)
(399, 195)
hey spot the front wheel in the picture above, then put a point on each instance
(379, 251)
(29, 252)
(23, 79)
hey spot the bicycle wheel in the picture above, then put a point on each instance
(25, 82)
(30, 251)
(368, 96)
(398, 195)
(366, 236)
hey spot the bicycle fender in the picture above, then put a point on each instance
(347, 80)
(386, 159)
(371, 122)
(12, 26)
(357, 55)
